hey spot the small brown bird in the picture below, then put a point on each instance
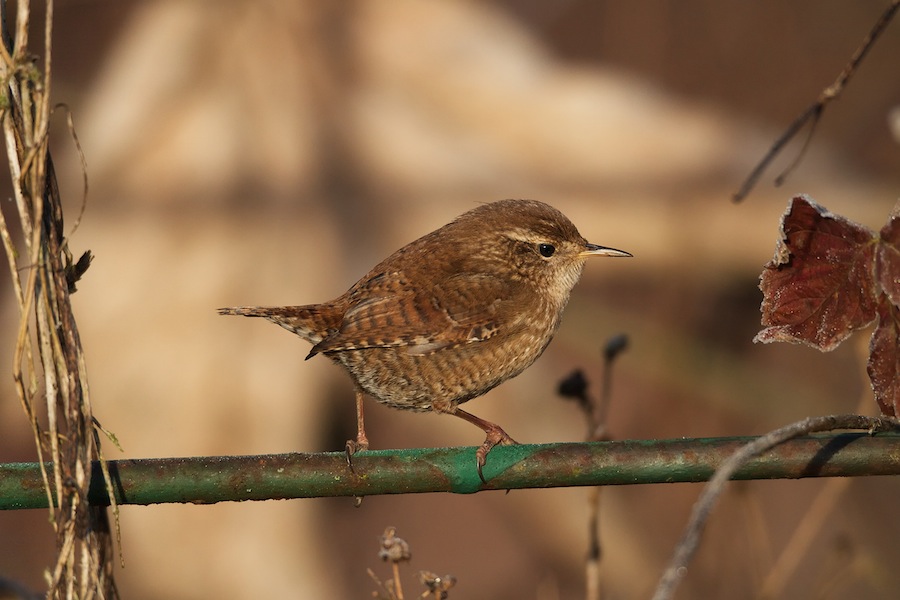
(451, 315)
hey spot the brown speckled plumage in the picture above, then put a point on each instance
(453, 314)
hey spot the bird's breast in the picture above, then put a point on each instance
(452, 374)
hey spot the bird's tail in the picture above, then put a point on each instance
(311, 322)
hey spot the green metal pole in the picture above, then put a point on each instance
(204, 480)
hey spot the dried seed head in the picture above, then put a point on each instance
(393, 548)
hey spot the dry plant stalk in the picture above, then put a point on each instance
(690, 539)
(48, 369)
(814, 111)
(575, 387)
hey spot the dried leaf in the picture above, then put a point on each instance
(75, 271)
(888, 265)
(820, 286)
(884, 358)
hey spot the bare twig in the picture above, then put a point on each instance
(575, 387)
(73, 134)
(703, 507)
(813, 113)
(785, 565)
(613, 348)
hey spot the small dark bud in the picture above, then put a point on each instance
(574, 386)
(614, 346)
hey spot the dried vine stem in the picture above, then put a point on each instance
(49, 363)
(690, 539)
(814, 111)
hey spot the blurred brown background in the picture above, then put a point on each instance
(270, 152)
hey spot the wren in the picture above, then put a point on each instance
(451, 315)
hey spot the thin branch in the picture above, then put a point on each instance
(598, 431)
(814, 112)
(79, 152)
(575, 387)
(789, 558)
(774, 441)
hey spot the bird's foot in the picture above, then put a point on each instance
(495, 436)
(360, 444)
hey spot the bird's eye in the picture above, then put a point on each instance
(546, 250)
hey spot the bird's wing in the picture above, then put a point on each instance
(462, 309)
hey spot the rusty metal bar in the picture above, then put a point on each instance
(204, 480)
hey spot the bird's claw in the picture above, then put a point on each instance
(352, 447)
(495, 436)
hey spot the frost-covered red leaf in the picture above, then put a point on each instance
(884, 358)
(888, 261)
(819, 288)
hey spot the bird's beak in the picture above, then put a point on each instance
(595, 250)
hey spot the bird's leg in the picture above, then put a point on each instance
(495, 435)
(361, 442)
